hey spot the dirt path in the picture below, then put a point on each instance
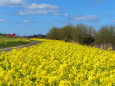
(21, 46)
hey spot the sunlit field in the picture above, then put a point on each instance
(57, 63)
(7, 41)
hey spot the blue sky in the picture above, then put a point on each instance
(27, 17)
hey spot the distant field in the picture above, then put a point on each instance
(7, 41)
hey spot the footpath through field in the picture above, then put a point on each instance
(21, 46)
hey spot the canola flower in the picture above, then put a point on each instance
(57, 63)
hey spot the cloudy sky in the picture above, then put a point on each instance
(26, 17)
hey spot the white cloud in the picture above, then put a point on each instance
(2, 20)
(36, 9)
(12, 2)
(27, 21)
(65, 14)
(84, 18)
(42, 6)
(113, 21)
(32, 9)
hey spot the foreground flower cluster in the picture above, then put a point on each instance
(57, 63)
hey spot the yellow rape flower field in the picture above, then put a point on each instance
(57, 63)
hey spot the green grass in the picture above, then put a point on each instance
(7, 41)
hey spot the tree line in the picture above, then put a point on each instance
(86, 35)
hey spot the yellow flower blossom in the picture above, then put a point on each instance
(57, 63)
